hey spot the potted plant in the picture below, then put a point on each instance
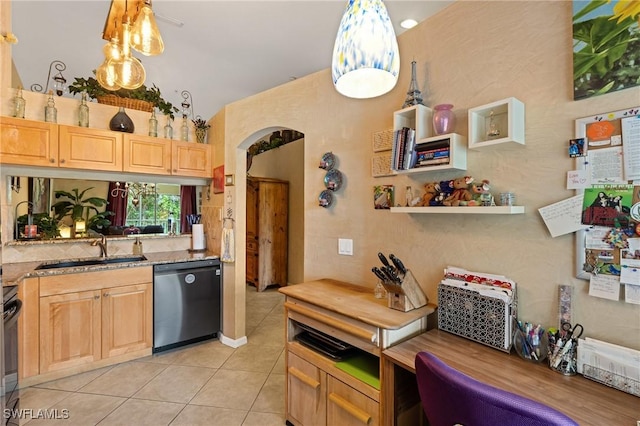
(79, 208)
(201, 129)
(47, 226)
(147, 97)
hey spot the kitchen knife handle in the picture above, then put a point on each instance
(379, 273)
(383, 259)
(398, 263)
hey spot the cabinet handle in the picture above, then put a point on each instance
(106, 295)
(309, 381)
(356, 412)
(52, 160)
(97, 296)
(325, 319)
(62, 161)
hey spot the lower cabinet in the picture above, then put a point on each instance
(76, 322)
(315, 397)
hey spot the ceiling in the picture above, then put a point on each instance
(224, 51)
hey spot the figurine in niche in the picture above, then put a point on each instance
(493, 128)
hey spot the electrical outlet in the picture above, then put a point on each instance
(345, 246)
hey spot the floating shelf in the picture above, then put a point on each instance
(417, 117)
(508, 117)
(457, 154)
(461, 210)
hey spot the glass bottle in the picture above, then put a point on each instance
(153, 124)
(50, 111)
(184, 129)
(168, 130)
(83, 111)
(19, 104)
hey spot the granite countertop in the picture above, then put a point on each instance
(12, 273)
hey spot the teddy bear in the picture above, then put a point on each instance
(481, 194)
(432, 189)
(461, 194)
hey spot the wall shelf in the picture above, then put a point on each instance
(418, 117)
(461, 210)
(457, 154)
(508, 118)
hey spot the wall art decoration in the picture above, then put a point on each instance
(606, 46)
(218, 179)
(383, 196)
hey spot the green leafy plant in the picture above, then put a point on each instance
(143, 93)
(47, 226)
(78, 207)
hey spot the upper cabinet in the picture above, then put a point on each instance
(36, 143)
(495, 123)
(26, 142)
(90, 149)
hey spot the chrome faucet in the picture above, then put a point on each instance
(103, 245)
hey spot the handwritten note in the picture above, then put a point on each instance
(577, 179)
(605, 165)
(605, 286)
(632, 294)
(564, 216)
(631, 137)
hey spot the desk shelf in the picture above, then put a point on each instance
(461, 210)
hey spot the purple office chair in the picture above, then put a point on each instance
(450, 397)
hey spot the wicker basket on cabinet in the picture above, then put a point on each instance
(130, 103)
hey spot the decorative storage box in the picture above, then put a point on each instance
(485, 319)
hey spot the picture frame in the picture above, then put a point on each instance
(218, 179)
(229, 180)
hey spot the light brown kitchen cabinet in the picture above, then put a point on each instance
(317, 391)
(69, 330)
(146, 154)
(91, 149)
(78, 322)
(28, 142)
(267, 232)
(191, 159)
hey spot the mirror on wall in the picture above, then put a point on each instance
(71, 208)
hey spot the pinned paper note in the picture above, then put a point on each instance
(577, 179)
(605, 286)
(564, 216)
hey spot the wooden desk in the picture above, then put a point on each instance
(587, 402)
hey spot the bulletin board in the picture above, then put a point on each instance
(607, 150)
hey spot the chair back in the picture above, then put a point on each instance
(450, 397)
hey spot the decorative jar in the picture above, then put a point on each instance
(121, 122)
(444, 120)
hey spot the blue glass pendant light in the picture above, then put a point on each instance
(366, 61)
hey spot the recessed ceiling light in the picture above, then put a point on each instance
(408, 23)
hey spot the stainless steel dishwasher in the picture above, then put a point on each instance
(187, 304)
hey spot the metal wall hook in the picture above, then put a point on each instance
(60, 84)
(187, 104)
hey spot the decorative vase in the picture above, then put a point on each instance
(121, 122)
(444, 120)
(201, 135)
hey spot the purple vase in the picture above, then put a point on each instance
(444, 120)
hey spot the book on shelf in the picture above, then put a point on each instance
(403, 149)
(433, 162)
(430, 155)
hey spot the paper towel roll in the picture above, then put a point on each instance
(197, 237)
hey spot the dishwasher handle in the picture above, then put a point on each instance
(179, 266)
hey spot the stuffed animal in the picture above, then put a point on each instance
(432, 189)
(481, 194)
(461, 194)
(446, 188)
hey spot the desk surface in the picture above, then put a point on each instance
(587, 402)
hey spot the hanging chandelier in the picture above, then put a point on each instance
(366, 60)
(129, 25)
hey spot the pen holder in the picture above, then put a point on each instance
(407, 295)
(529, 350)
(564, 359)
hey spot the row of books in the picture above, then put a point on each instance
(407, 154)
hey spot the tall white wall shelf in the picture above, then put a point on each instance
(418, 117)
(507, 118)
(457, 154)
(461, 210)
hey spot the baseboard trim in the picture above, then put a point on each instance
(234, 343)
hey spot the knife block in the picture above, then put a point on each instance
(406, 296)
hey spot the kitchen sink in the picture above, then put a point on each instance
(90, 262)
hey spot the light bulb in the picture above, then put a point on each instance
(106, 75)
(130, 73)
(145, 36)
(112, 49)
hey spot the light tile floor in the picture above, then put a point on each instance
(203, 384)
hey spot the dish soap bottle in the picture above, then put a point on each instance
(137, 247)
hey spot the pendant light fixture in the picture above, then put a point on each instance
(145, 36)
(130, 73)
(366, 61)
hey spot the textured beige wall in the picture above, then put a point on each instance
(470, 54)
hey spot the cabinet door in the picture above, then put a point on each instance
(92, 149)
(145, 154)
(347, 406)
(252, 233)
(191, 159)
(127, 319)
(27, 142)
(69, 330)
(306, 392)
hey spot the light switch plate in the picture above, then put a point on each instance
(345, 246)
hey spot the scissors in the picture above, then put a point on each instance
(572, 332)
